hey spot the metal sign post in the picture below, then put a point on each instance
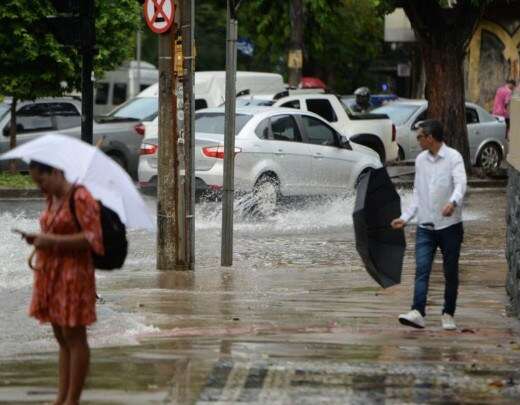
(87, 41)
(229, 136)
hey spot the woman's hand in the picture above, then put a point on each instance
(39, 240)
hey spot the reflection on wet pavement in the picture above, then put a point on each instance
(296, 320)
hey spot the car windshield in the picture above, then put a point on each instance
(398, 113)
(4, 108)
(213, 123)
(140, 108)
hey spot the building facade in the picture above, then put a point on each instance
(493, 54)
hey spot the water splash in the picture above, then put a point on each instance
(14, 251)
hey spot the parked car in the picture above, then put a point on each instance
(487, 134)
(279, 152)
(375, 131)
(120, 133)
(35, 118)
(123, 129)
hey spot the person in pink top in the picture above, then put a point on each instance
(502, 100)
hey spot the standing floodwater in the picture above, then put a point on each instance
(296, 315)
(316, 233)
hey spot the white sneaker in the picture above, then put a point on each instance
(413, 319)
(448, 323)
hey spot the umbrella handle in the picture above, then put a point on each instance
(30, 259)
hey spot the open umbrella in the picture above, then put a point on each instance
(381, 248)
(87, 165)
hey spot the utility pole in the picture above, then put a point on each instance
(175, 205)
(167, 167)
(87, 41)
(188, 35)
(229, 136)
(295, 57)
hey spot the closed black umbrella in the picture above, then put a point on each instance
(381, 247)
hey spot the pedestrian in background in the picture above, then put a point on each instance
(64, 292)
(502, 101)
(439, 188)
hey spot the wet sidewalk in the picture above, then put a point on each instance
(297, 320)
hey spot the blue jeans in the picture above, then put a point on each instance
(449, 240)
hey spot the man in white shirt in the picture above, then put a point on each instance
(438, 193)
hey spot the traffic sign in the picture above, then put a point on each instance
(159, 15)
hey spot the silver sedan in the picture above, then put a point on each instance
(487, 134)
(278, 153)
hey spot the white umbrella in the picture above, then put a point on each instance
(87, 165)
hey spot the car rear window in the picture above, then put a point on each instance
(213, 123)
(398, 113)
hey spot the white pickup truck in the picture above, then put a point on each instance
(375, 131)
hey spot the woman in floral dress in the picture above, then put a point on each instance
(64, 292)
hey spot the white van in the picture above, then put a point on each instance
(122, 84)
(210, 87)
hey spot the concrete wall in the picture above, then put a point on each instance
(513, 209)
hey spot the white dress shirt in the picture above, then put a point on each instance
(439, 180)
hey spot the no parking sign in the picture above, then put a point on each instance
(159, 15)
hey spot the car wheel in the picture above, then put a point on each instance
(266, 195)
(118, 159)
(489, 157)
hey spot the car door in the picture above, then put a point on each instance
(65, 114)
(32, 120)
(475, 135)
(291, 155)
(332, 165)
(324, 109)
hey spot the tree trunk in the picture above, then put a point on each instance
(295, 59)
(443, 33)
(12, 136)
(445, 94)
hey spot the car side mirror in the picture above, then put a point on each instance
(344, 143)
(415, 125)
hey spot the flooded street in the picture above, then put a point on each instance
(296, 320)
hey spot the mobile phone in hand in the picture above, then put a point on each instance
(18, 231)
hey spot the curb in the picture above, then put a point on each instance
(7, 193)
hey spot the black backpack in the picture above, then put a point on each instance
(114, 237)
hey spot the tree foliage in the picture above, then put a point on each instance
(341, 37)
(34, 64)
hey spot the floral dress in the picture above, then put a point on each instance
(64, 291)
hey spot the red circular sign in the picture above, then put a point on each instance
(159, 15)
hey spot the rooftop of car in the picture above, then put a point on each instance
(252, 110)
